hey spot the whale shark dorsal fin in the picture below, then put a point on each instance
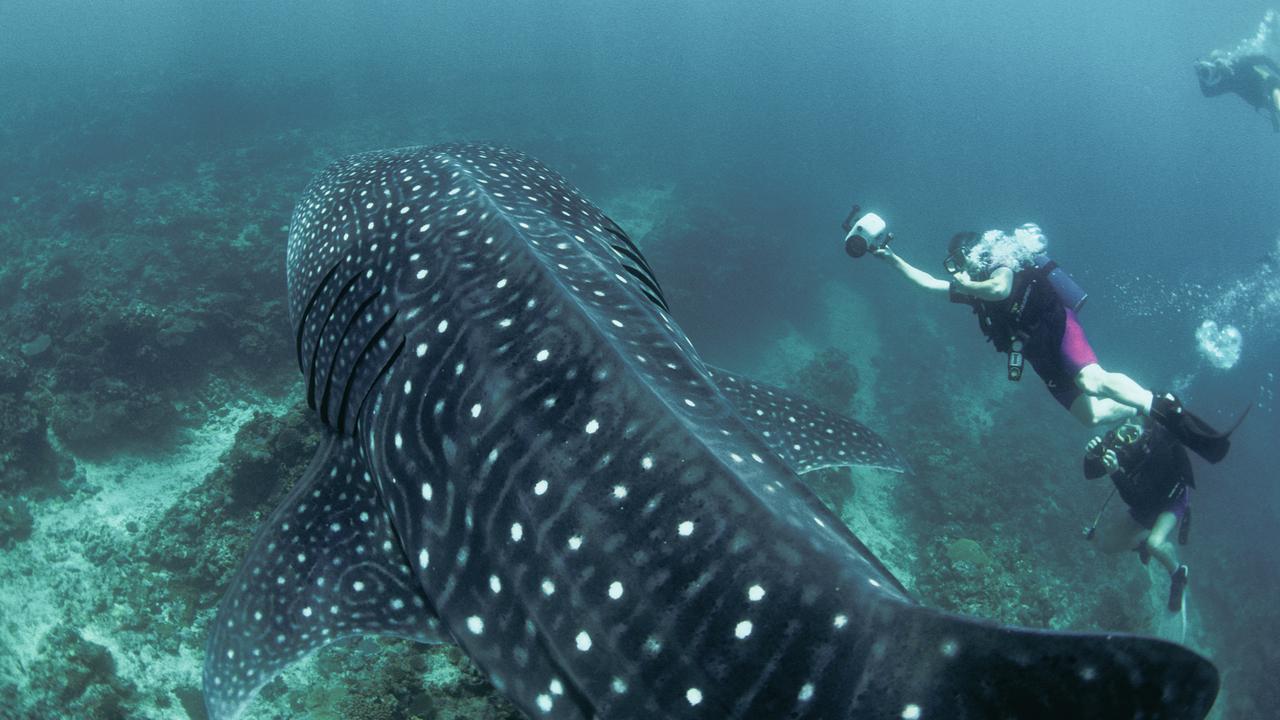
(804, 434)
(325, 566)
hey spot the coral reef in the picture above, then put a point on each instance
(831, 378)
(75, 677)
(201, 539)
(28, 462)
(16, 522)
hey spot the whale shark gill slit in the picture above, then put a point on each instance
(367, 354)
(313, 372)
(306, 316)
(635, 264)
(386, 367)
(338, 345)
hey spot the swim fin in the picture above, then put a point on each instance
(1194, 433)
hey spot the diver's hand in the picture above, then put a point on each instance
(1092, 447)
(883, 253)
(1110, 461)
(1097, 449)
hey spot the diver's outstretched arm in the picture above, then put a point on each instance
(912, 273)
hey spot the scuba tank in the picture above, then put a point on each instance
(1069, 292)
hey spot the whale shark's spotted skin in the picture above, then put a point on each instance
(526, 456)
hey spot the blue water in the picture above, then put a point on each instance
(945, 115)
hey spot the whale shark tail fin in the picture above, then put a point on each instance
(956, 667)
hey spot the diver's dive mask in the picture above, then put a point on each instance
(958, 251)
(1126, 434)
(1212, 74)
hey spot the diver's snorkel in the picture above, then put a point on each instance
(868, 234)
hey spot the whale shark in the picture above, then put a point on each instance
(524, 455)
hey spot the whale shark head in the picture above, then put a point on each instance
(525, 456)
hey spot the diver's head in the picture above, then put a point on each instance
(1130, 431)
(981, 254)
(958, 251)
(1212, 72)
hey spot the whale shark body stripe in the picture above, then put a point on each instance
(602, 523)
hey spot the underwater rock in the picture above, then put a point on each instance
(16, 522)
(830, 377)
(259, 462)
(10, 285)
(74, 677)
(192, 702)
(833, 486)
(58, 277)
(202, 535)
(112, 415)
(37, 346)
(15, 376)
(28, 463)
(966, 550)
(87, 214)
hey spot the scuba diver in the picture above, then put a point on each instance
(1026, 307)
(1250, 71)
(1152, 473)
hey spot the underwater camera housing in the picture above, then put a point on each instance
(867, 234)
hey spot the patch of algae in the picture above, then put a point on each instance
(966, 550)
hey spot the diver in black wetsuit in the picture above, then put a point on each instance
(1247, 72)
(1256, 78)
(1152, 473)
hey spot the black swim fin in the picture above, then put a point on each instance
(1194, 433)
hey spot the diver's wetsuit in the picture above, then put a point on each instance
(1052, 339)
(1154, 474)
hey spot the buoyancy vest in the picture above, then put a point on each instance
(1031, 310)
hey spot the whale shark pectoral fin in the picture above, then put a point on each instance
(805, 435)
(950, 666)
(326, 565)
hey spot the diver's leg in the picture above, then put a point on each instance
(1093, 380)
(1119, 532)
(1158, 541)
(1100, 411)
(1158, 545)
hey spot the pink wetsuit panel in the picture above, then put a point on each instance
(1076, 352)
